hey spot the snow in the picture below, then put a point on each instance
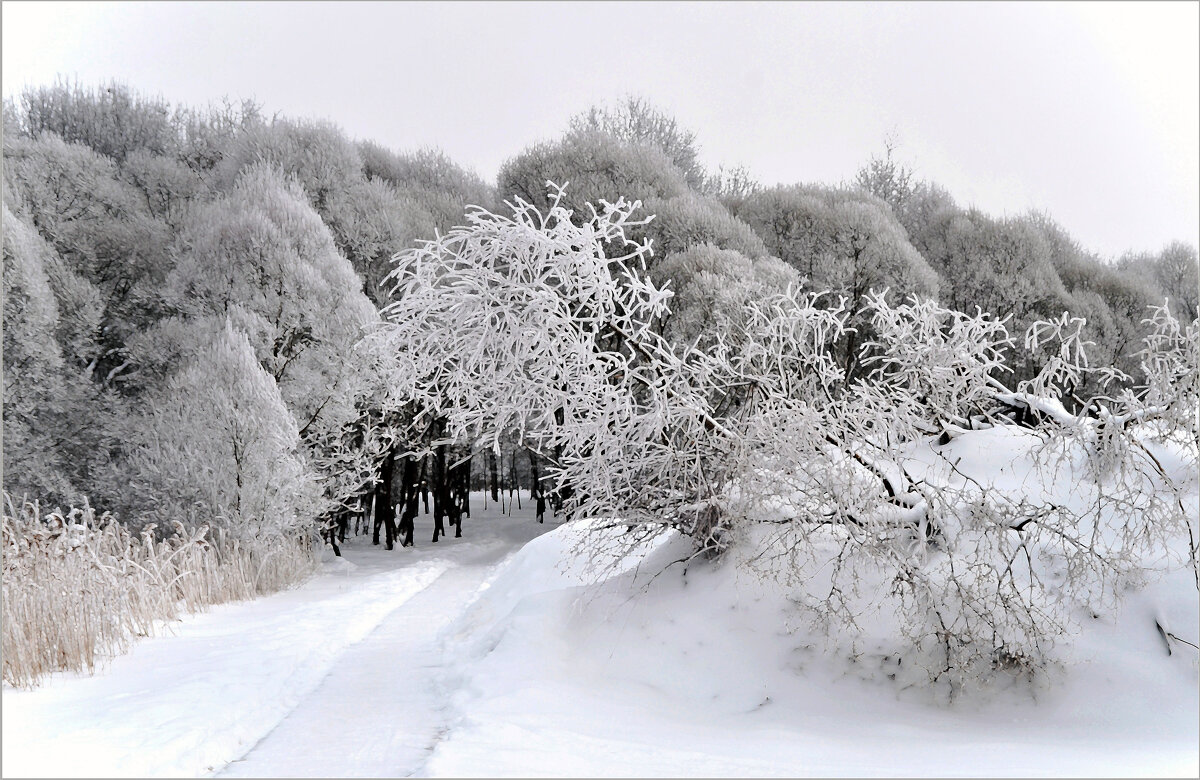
(212, 685)
(703, 675)
(503, 653)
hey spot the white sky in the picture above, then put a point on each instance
(1088, 111)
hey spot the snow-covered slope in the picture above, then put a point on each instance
(647, 671)
(701, 675)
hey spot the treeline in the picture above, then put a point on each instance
(186, 292)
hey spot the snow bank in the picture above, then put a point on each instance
(642, 670)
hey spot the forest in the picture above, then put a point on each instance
(233, 341)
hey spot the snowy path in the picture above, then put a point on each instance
(336, 677)
(386, 690)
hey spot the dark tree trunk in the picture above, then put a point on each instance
(329, 533)
(426, 478)
(450, 494)
(513, 483)
(376, 520)
(466, 486)
(439, 491)
(493, 477)
(387, 511)
(535, 487)
(411, 501)
(560, 494)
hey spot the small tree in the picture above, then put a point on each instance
(887, 179)
(218, 447)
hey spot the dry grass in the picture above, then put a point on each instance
(80, 588)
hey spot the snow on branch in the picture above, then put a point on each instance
(542, 326)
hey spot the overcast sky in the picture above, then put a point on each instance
(1090, 112)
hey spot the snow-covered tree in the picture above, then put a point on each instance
(1176, 269)
(839, 240)
(218, 446)
(692, 220)
(114, 252)
(428, 178)
(111, 119)
(35, 391)
(315, 154)
(887, 178)
(598, 166)
(262, 258)
(371, 222)
(712, 288)
(525, 324)
(636, 120)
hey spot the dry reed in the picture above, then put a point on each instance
(79, 588)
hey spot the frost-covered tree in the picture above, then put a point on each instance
(218, 446)
(635, 120)
(1001, 266)
(762, 442)
(924, 214)
(842, 241)
(262, 258)
(428, 178)
(1176, 270)
(35, 391)
(712, 288)
(114, 251)
(371, 222)
(167, 185)
(887, 178)
(207, 133)
(731, 186)
(597, 165)
(839, 240)
(693, 220)
(316, 154)
(111, 119)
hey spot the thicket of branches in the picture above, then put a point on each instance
(543, 323)
(204, 324)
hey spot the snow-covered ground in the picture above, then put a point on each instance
(702, 676)
(500, 654)
(349, 652)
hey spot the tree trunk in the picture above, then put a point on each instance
(329, 533)
(426, 476)
(376, 520)
(439, 494)
(493, 476)
(411, 501)
(450, 494)
(466, 487)
(383, 504)
(535, 487)
(513, 483)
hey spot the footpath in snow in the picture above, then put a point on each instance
(335, 677)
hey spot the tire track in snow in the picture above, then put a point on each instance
(384, 706)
